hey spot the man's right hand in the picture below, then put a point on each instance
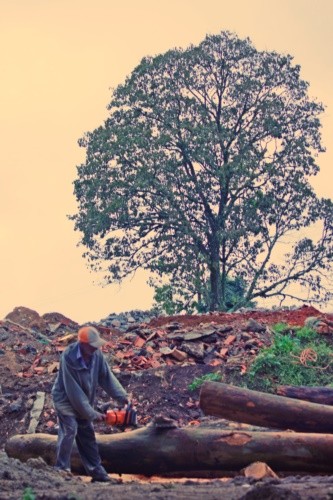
(100, 417)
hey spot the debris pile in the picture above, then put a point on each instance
(155, 358)
(213, 344)
(122, 321)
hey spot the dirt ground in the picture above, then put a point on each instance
(28, 364)
(36, 480)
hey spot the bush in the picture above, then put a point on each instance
(297, 357)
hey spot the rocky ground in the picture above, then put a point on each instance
(156, 359)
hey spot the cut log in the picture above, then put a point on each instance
(320, 395)
(153, 450)
(264, 410)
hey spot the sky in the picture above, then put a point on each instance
(59, 60)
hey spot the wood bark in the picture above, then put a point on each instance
(152, 450)
(264, 410)
(320, 395)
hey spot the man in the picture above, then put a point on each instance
(82, 368)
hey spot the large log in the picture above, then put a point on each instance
(151, 450)
(320, 395)
(264, 410)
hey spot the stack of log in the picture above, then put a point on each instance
(300, 419)
(302, 439)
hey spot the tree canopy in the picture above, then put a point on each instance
(202, 169)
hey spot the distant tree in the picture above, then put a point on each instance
(202, 168)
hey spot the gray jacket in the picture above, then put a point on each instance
(75, 387)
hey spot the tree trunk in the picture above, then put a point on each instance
(215, 275)
(321, 395)
(266, 410)
(214, 292)
(152, 450)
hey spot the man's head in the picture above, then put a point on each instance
(88, 335)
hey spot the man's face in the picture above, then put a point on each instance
(87, 349)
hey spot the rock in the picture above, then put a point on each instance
(165, 350)
(130, 336)
(258, 470)
(191, 335)
(16, 406)
(224, 328)
(130, 319)
(127, 320)
(319, 324)
(178, 355)
(197, 350)
(37, 463)
(312, 321)
(116, 323)
(253, 326)
(36, 412)
(172, 326)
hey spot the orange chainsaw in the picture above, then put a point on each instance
(126, 417)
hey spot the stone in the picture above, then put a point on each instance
(196, 350)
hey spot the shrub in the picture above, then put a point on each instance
(297, 356)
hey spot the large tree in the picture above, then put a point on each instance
(202, 168)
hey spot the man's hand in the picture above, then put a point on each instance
(100, 417)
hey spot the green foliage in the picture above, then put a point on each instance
(202, 167)
(164, 299)
(173, 301)
(28, 494)
(280, 328)
(280, 364)
(306, 334)
(198, 381)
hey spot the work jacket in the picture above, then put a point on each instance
(75, 387)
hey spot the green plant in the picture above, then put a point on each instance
(281, 328)
(306, 333)
(198, 381)
(299, 357)
(284, 344)
(28, 494)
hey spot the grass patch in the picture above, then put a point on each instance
(298, 356)
(198, 381)
(28, 494)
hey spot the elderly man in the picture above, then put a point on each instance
(82, 368)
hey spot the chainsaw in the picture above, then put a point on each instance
(126, 417)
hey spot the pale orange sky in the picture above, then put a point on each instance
(58, 60)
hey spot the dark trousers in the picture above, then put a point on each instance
(82, 431)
